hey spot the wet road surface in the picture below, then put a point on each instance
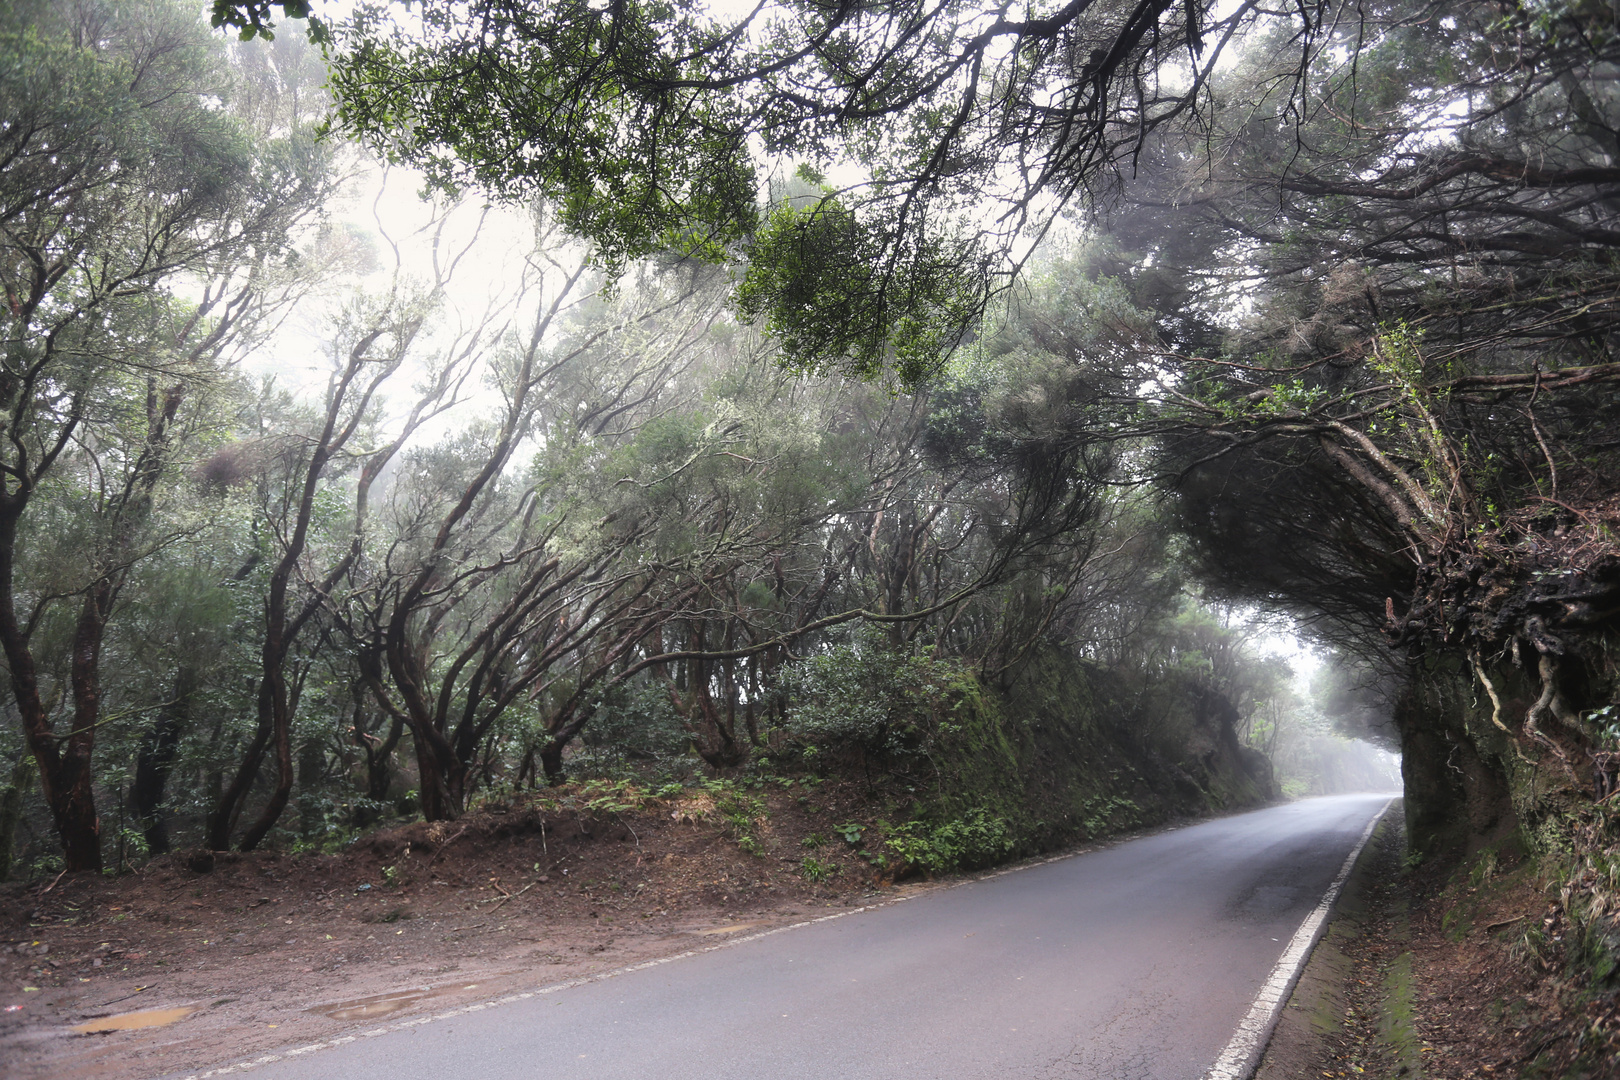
(1135, 962)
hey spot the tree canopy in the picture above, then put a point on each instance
(1162, 315)
(653, 125)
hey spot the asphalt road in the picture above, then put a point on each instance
(1135, 962)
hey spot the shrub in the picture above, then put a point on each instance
(973, 840)
(631, 723)
(864, 695)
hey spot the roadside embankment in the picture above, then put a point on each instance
(1061, 751)
(1447, 972)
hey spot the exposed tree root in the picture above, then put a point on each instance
(1496, 706)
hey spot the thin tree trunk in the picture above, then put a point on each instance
(379, 757)
(155, 761)
(11, 804)
(63, 776)
(228, 807)
(273, 707)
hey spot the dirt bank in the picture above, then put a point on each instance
(272, 949)
(1444, 972)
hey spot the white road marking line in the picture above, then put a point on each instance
(1087, 849)
(243, 1066)
(1242, 1055)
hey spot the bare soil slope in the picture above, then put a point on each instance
(273, 949)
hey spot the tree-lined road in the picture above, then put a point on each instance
(1133, 962)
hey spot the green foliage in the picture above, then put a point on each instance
(815, 871)
(131, 847)
(741, 811)
(45, 865)
(637, 721)
(972, 130)
(968, 842)
(1484, 868)
(330, 819)
(588, 132)
(251, 18)
(1103, 814)
(833, 290)
(603, 795)
(21, 779)
(1605, 721)
(864, 694)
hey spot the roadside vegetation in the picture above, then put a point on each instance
(949, 405)
(299, 548)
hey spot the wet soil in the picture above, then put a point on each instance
(244, 953)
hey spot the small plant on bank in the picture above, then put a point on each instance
(975, 839)
(816, 871)
(742, 812)
(850, 831)
(1606, 724)
(1484, 868)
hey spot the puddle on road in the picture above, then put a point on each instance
(732, 929)
(382, 1004)
(130, 1021)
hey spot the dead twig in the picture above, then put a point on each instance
(126, 997)
(498, 901)
(634, 837)
(446, 844)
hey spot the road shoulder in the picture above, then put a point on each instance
(1351, 1012)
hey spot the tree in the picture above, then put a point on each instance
(118, 180)
(971, 122)
(488, 581)
(376, 342)
(1387, 380)
(1432, 338)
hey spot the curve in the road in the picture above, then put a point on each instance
(1136, 962)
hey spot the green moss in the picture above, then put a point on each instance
(1398, 1023)
(1052, 756)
